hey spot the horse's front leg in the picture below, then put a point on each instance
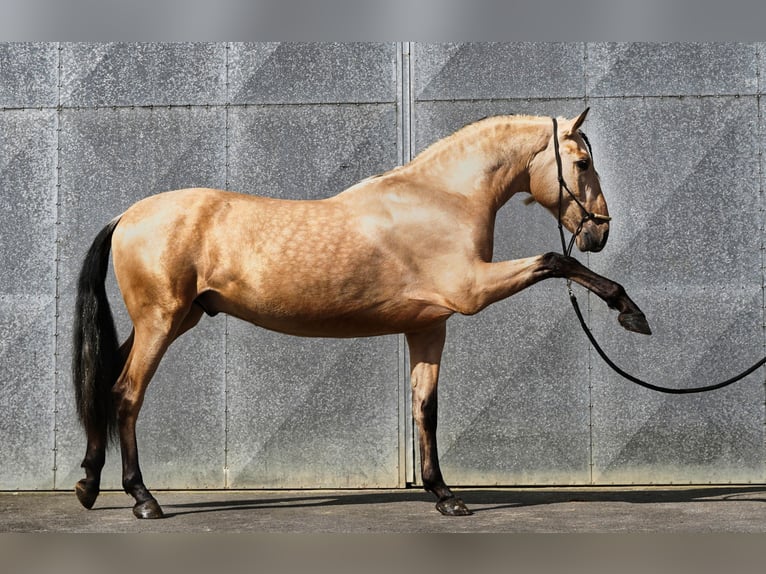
(495, 281)
(425, 356)
(630, 317)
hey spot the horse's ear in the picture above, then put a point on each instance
(578, 121)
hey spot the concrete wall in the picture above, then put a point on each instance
(677, 134)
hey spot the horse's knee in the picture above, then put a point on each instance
(554, 264)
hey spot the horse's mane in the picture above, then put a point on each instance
(475, 125)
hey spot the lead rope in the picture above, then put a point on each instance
(567, 249)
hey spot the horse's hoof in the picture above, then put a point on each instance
(148, 509)
(635, 321)
(453, 507)
(86, 495)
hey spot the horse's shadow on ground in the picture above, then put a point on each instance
(480, 499)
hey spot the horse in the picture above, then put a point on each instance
(398, 252)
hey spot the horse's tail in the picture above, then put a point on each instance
(96, 360)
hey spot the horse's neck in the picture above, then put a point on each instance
(486, 163)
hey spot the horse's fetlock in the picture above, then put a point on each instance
(94, 462)
(616, 296)
(434, 483)
(134, 486)
(128, 484)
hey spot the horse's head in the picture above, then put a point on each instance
(582, 208)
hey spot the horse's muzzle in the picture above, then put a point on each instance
(593, 236)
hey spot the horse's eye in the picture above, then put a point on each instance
(583, 164)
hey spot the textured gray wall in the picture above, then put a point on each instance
(86, 130)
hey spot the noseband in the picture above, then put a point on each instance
(587, 215)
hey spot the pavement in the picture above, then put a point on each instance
(678, 530)
(682, 509)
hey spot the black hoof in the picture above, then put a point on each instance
(635, 321)
(148, 509)
(85, 494)
(453, 507)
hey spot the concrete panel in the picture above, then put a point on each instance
(513, 396)
(27, 392)
(649, 438)
(759, 48)
(110, 159)
(485, 71)
(307, 73)
(28, 75)
(309, 152)
(682, 181)
(27, 298)
(311, 413)
(122, 74)
(650, 69)
(28, 201)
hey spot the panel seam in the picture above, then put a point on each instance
(57, 266)
(226, 317)
(591, 461)
(761, 208)
(405, 432)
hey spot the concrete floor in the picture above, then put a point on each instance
(739, 509)
(681, 530)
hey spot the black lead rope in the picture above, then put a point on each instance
(567, 249)
(644, 384)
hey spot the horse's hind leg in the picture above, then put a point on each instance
(88, 488)
(151, 339)
(425, 356)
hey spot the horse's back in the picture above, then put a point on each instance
(182, 204)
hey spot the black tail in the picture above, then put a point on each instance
(96, 361)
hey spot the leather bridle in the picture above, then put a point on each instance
(586, 214)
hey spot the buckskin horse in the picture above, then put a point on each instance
(398, 252)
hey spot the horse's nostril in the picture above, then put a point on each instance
(600, 242)
(593, 238)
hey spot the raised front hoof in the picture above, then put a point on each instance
(453, 507)
(85, 494)
(148, 509)
(635, 321)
